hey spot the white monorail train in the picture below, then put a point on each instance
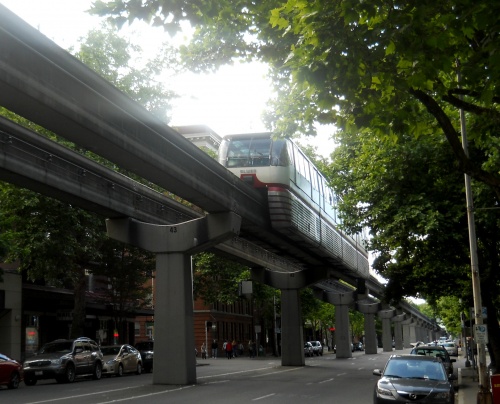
(301, 205)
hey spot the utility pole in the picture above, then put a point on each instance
(484, 394)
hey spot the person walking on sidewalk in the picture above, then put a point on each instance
(215, 348)
(229, 350)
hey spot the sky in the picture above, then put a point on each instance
(230, 101)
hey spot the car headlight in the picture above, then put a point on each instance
(149, 356)
(111, 362)
(56, 361)
(444, 395)
(386, 393)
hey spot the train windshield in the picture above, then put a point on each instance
(256, 152)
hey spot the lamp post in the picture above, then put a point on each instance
(484, 394)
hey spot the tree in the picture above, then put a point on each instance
(120, 62)
(52, 241)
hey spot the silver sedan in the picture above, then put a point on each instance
(120, 359)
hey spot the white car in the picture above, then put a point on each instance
(120, 359)
(451, 347)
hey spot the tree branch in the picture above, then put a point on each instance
(466, 165)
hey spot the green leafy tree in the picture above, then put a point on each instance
(52, 241)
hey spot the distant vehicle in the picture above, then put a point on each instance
(308, 349)
(146, 349)
(120, 359)
(414, 378)
(451, 347)
(436, 351)
(11, 372)
(63, 360)
(358, 346)
(317, 348)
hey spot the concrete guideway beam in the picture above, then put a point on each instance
(288, 280)
(174, 359)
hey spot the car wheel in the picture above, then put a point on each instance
(97, 371)
(14, 381)
(120, 370)
(139, 368)
(29, 380)
(69, 376)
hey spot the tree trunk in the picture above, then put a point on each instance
(80, 287)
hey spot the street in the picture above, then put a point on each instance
(262, 380)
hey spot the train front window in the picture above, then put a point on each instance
(248, 152)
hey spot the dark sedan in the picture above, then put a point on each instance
(414, 378)
(146, 349)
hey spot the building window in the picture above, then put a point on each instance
(137, 329)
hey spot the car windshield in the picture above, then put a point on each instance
(110, 350)
(62, 347)
(415, 369)
(437, 353)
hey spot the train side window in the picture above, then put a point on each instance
(279, 153)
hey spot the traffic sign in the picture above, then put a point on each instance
(481, 333)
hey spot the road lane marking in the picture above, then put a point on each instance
(109, 391)
(235, 373)
(261, 398)
(325, 381)
(279, 371)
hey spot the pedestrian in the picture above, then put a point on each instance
(235, 348)
(215, 347)
(250, 348)
(229, 350)
(203, 351)
(254, 349)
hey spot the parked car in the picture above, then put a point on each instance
(317, 348)
(308, 349)
(11, 372)
(63, 360)
(451, 347)
(146, 349)
(120, 359)
(414, 378)
(436, 351)
(335, 348)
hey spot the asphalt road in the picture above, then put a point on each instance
(323, 379)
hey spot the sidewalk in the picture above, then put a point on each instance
(468, 386)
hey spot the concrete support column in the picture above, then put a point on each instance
(413, 332)
(369, 310)
(174, 360)
(386, 316)
(398, 332)
(292, 342)
(343, 340)
(406, 332)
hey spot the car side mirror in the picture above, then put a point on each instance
(377, 372)
(452, 377)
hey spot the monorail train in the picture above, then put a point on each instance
(301, 205)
